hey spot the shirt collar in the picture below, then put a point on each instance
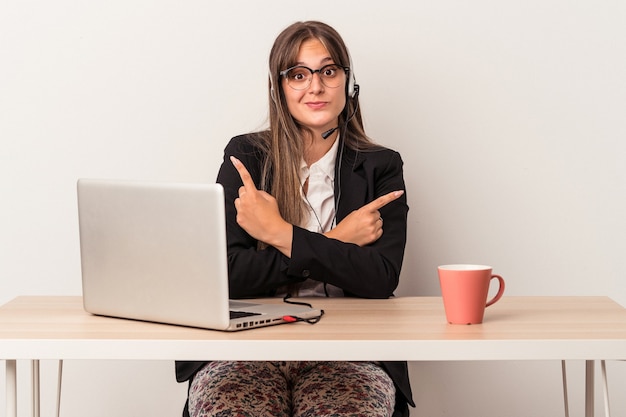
(325, 164)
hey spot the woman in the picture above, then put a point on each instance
(306, 202)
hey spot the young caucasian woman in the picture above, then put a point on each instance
(313, 208)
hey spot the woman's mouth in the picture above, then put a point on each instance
(316, 105)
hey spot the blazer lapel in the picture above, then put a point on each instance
(353, 181)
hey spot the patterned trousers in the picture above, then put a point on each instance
(291, 389)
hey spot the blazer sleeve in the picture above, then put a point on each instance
(372, 271)
(252, 272)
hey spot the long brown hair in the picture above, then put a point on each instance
(282, 143)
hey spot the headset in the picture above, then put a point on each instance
(353, 87)
(352, 92)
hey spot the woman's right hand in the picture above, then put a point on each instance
(258, 213)
(363, 226)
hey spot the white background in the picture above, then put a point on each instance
(510, 117)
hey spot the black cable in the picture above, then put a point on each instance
(293, 319)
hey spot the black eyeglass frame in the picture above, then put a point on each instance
(284, 73)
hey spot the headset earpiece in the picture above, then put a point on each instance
(272, 91)
(353, 87)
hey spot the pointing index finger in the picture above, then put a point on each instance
(383, 200)
(248, 183)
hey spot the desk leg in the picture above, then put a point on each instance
(11, 377)
(59, 382)
(605, 386)
(589, 388)
(35, 388)
(565, 396)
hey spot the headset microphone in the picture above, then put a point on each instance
(329, 132)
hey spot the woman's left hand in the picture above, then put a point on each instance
(363, 226)
(258, 214)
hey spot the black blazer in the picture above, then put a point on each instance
(371, 271)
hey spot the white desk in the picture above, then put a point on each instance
(404, 328)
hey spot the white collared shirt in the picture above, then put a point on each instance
(320, 200)
(320, 195)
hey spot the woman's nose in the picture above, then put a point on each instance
(316, 83)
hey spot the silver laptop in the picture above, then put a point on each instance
(157, 252)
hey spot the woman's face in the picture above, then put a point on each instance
(317, 106)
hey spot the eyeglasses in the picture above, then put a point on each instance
(299, 77)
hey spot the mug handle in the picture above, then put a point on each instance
(500, 290)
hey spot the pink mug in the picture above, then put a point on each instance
(464, 289)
